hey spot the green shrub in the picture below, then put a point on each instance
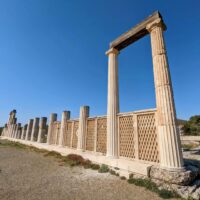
(103, 169)
(95, 166)
(53, 154)
(112, 172)
(87, 164)
(75, 160)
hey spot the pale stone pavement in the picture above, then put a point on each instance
(27, 175)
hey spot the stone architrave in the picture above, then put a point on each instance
(29, 129)
(42, 129)
(169, 137)
(113, 104)
(35, 129)
(53, 118)
(65, 117)
(84, 114)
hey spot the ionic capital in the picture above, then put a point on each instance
(112, 50)
(156, 23)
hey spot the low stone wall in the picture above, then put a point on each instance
(138, 140)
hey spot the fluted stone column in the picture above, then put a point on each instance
(13, 127)
(65, 117)
(42, 129)
(24, 132)
(35, 129)
(5, 130)
(84, 114)
(11, 131)
(169, 138)
(19, 130)
(29, 129)
(53, 118)
(16, 130)
(113, 104)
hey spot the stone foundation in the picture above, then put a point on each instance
(186, 183)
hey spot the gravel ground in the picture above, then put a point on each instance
(28, 175)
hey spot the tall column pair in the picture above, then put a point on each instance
(169, 139)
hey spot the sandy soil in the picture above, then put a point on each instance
(28, 175)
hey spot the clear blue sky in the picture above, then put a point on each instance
(52, 55)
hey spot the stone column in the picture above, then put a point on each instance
(113, 104)
(84, 114)
(14, 121)
(65, 117)
(19, 131)
(24, 132)
(53, 118)
(169, 139)
(29, 128)
(11, 130)
(16, 130)
(35, 129)
(42, 129)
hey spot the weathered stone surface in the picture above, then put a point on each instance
(190, 191)
(174, 177)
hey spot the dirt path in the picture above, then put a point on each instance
(27, 175)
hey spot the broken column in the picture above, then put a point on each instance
(19, 130)
(65, 117)
(29, 129)
(53, 118)
(42, 129)
(24, 132)
(35, 129)
(84, 114)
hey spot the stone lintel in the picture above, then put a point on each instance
(135, 33)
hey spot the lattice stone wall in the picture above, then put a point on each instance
(75, 134)
(101, 135)
(55, 133)
(68, 133)
(126, 136)
(147, 137)
(90, 134)
(137, 135)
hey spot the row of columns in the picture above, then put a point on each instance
(84, 114)
(168, 137)
(36, 129)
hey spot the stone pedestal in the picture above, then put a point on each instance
(65, 117)
(113, 104)
(42, 129)
(53, 118)
(35, 129)
(29, 129)
(84, 114)
(169, 139)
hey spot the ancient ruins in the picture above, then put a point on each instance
(136, 141)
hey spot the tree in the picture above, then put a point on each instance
(192, 127)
